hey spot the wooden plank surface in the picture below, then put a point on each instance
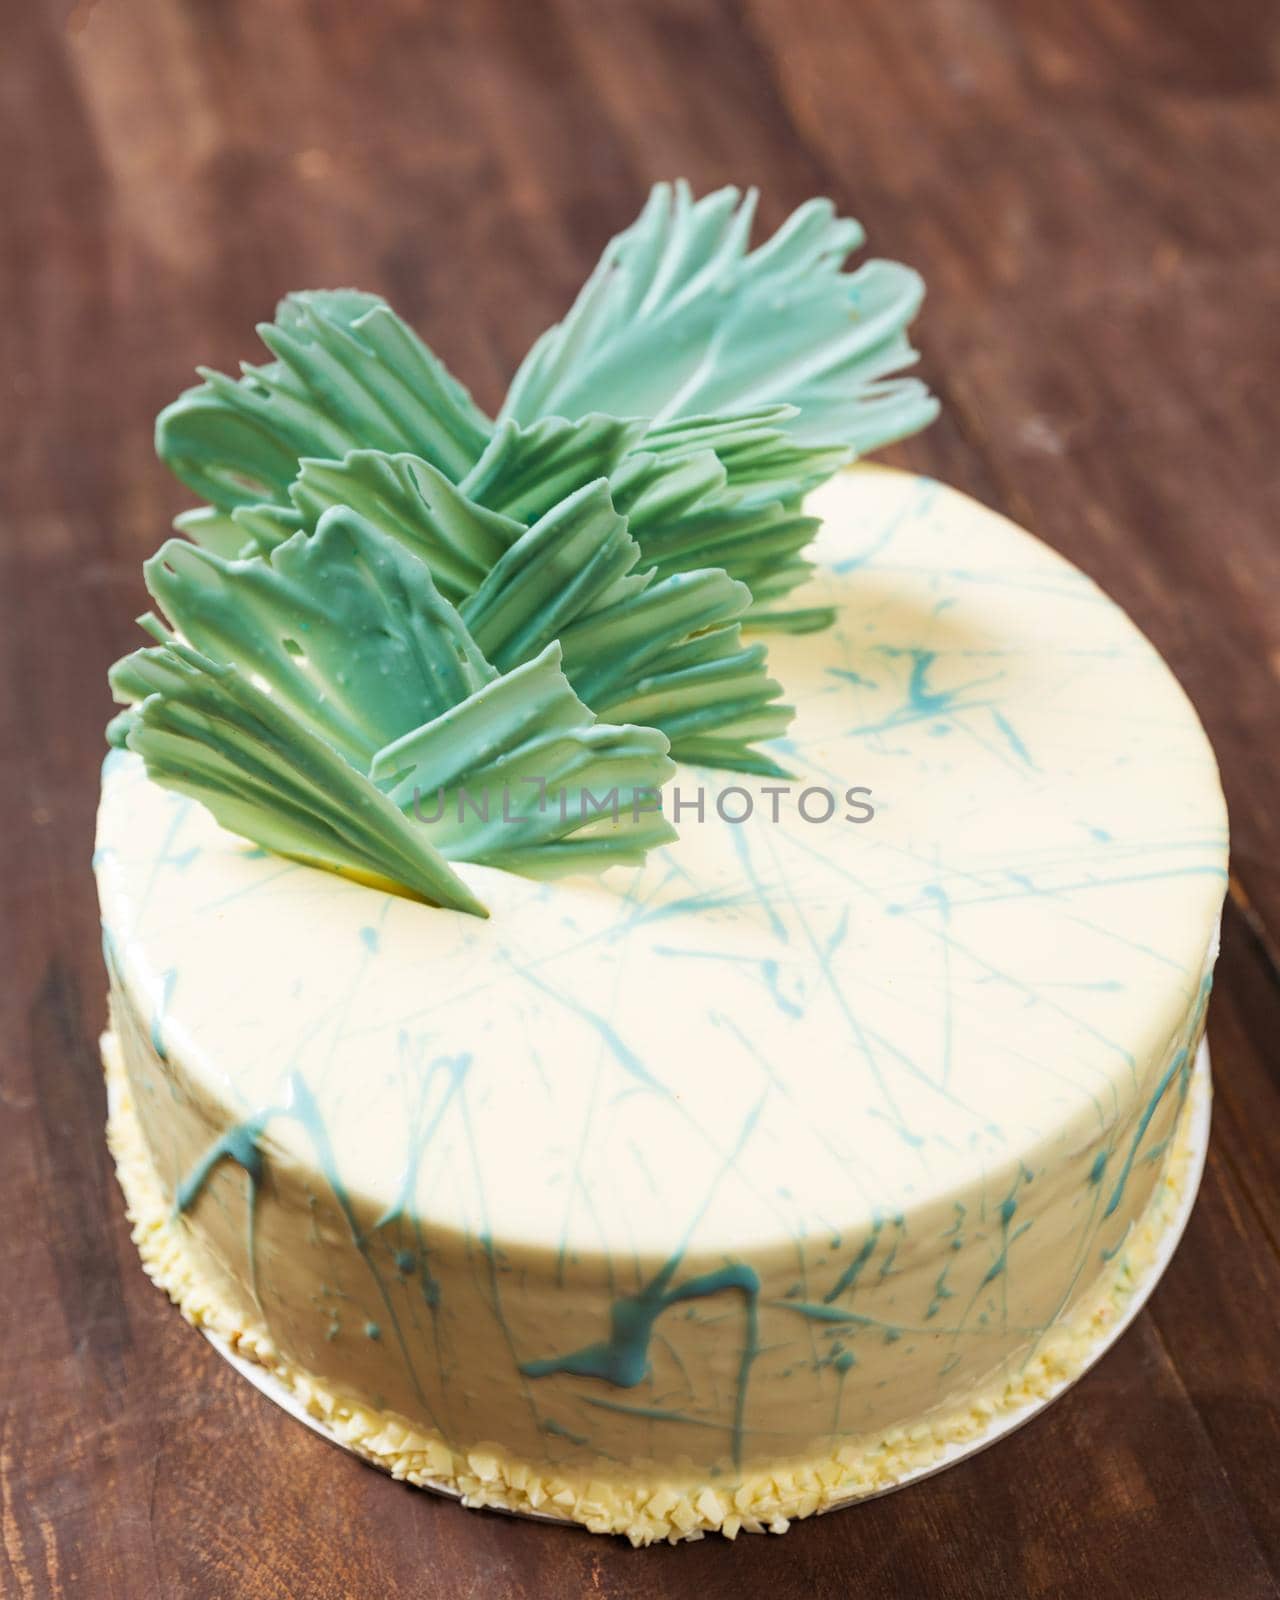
(1091, 191)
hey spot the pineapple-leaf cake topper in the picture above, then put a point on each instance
(389, 594)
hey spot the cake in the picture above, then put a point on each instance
(728, 1148)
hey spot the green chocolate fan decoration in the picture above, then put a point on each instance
(752, 374)
(314, 694)
(390, 595)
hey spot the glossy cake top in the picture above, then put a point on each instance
(771, 1025)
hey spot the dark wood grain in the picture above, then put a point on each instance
(1091, 191)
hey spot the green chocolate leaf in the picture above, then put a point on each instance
(307, 681)
(698, 493)
(574, 560)
(685, 516)
(343, 626)
(755, 449)
(673, 657)
(414, 504)
(803, 619)
(680, 318)
(348, 373)
(527, 470)
(631, 643)
(203, 729)
(510, 770)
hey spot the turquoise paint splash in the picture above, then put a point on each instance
(623, 1358)
(454, 1070)
(787, 1006)
(557, 1431)
(1179, 1071)
(1179, 1068)
(849, 1277)
(941, 1292)
(240, 1144)
(826, 1313)
(618, 1048)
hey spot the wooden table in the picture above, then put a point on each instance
(1091, 191)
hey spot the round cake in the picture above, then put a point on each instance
(714, 1191)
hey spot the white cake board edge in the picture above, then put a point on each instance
(1199, 1111)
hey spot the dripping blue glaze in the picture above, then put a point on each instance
(623, 1358)
(1118, 1246)
(940, 1293)
(1008, 1210)
(688, 905)
(1180, 1066)
(1012, 739)
(1155, 1152)
(558, 1431)
(240, 1144)
(826, 1313)
(303, 1107)
(788, 1007)
(764, 900)
(455, 1069)
(921, 701)
(853, 1271)
(843, 1361)
(892, 1332)
(927, 489)
(839, 933)
(618, 1048)
(650, 1413)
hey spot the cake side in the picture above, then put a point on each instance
(489, 1476)
(805, 1134)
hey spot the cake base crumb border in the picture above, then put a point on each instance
(765, 1502)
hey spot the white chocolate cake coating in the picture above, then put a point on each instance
(663, 1181)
